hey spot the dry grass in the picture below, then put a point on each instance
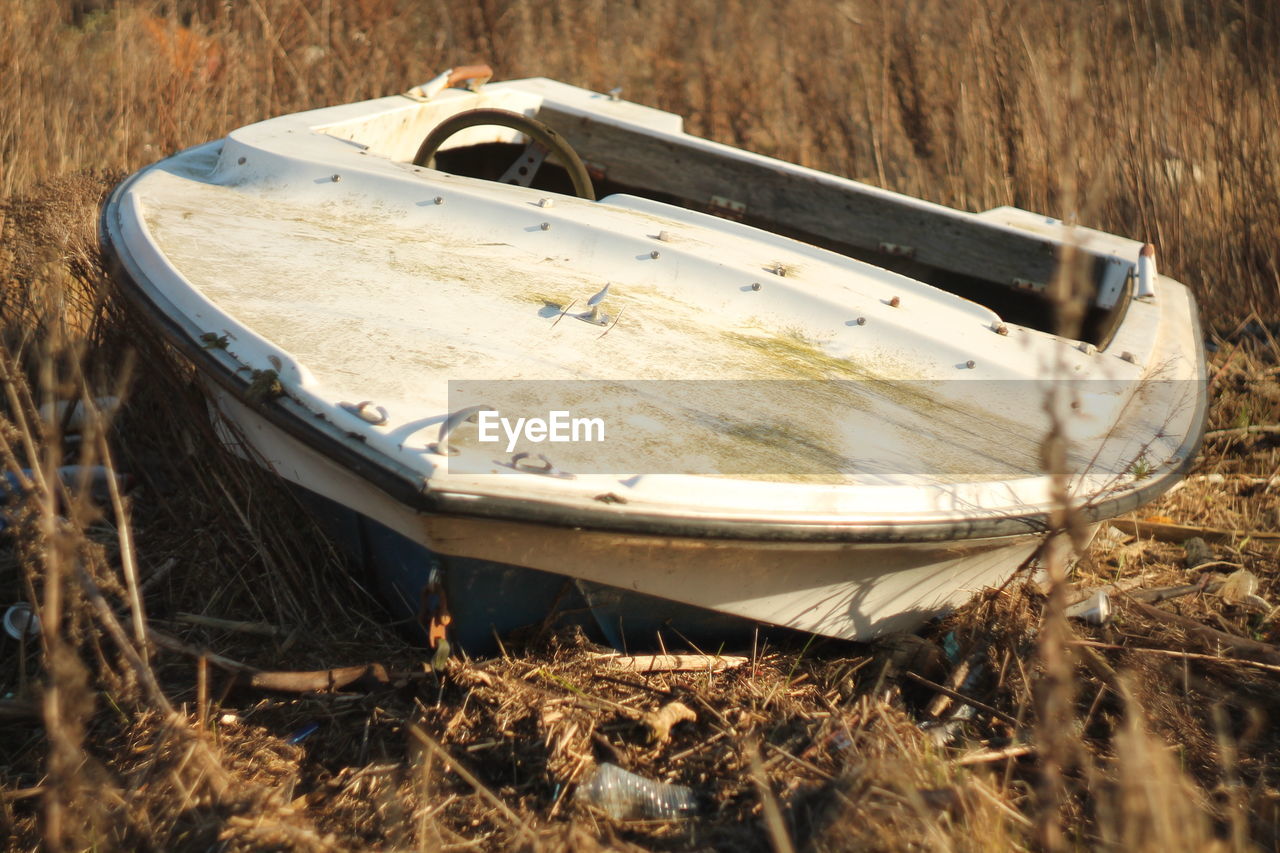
(1149, 118)
(1146, 118)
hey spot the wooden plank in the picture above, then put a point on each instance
(1182, 532)
(939, 238)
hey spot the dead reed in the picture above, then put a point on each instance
(1155, 111)
(130, 723)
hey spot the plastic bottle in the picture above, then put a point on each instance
(622, 794)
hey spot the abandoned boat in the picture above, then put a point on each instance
(522, 341)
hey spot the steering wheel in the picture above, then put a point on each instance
(542, 142)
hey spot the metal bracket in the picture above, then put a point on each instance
(434, 616)
(727, 208)
(452, 422)
(529, 464)
(521, 172)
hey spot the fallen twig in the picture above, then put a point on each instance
(318, 681)
(960, 697)
(260, 628)
(1164, 593)
(1255, 429)
(22, 793)
(987, 756)
(1182, 532)
(314, 681)
(773, 822)
(671, 663)
(158, 575)
(214, 773)
(1174, 653)
(476, 785)
(1209, 635)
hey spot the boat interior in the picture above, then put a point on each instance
(623, 160)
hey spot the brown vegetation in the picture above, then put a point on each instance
(124, 723)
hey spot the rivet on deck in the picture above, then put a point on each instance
(895, 302)
(971, 364)
(546, 226)
(862, 321)
(439, 199)
(335, 178)
(655, 254)
(755, 285)
(240, 162)
(1000, 329)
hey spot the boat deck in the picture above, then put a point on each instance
(696, 371)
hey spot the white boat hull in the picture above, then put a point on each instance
(847, 590)
(831, 420)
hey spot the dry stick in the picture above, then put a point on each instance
(1209, 635)
(769, 802)
(260, 628)
(17, 413)
(158, 575)
(124, 529)
(22, 793)
(476, 785)
(802, 762)
(615, 322)
(1174, 653)
(1263, 429)
(563, 312)
(1015, 751)
(670, 663)
(173, 644)
(213, 770)
(287, 682)
(202, 691)
(960, 697)
(319, 680)
(1182, 532)
(51, 608)
(942, 701)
